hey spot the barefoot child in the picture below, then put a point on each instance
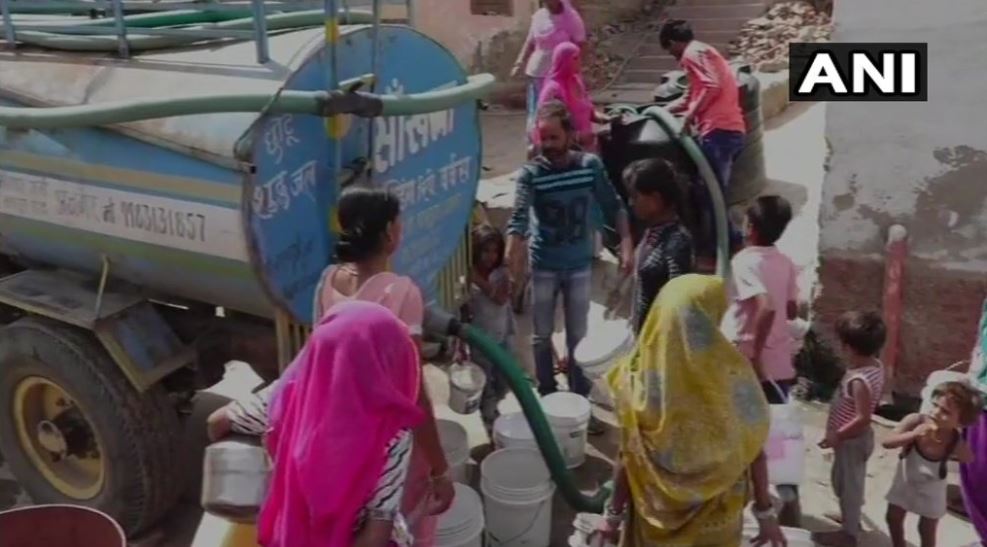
(848, 429)
(491, 310)
(928, 441)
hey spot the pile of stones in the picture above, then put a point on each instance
(764, 41)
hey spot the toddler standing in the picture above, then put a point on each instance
(928, 441)
(848, 429)
(490, 308)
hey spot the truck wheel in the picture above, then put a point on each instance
(74, 430)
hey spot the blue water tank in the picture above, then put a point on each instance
(233, 210)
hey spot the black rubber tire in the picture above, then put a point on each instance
(141, 434)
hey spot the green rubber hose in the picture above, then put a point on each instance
(673, 127)
(533, 412)
(149, 20)
(144, 42)
(319, 103)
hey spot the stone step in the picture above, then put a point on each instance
(732, 24)
(729, 11)
(639, 93)
(699, 3)
(648, 49)
(642, 76)
(708, 36)
(653, 62)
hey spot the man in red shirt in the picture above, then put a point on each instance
(711, 109)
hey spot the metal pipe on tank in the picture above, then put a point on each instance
(260, 30)
(8, 24)
(121, 27)
(374, 65)
(144, 42)
(331, 8)
(410, 9)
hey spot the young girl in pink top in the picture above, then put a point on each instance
(564, 83)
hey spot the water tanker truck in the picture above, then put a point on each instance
(167, 187)
(166, 206)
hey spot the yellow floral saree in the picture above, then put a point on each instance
(692, 417)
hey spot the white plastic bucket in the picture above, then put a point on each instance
(517, 492)
(466, 381)
(456, 446)
(568, 414)
(797, 537)
(462, 524)
(602, 346)
(512, 431)
(510, 404)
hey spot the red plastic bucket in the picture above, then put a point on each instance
(59, 526)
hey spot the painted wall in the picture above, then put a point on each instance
(469, 36)
(922, 165)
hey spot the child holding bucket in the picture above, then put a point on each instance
(490, 297)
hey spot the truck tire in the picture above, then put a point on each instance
(74, 430)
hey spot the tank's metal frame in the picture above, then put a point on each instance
(258, 8)
(102, 317)
(154, 339)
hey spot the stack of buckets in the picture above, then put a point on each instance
(568, 415)
(515, 481)
(517, 488)
(463, 523)
(516, 484)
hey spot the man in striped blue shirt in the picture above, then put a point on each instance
(558, 194)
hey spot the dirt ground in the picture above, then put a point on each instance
(795, 151)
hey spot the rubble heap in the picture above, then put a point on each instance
(764, 41)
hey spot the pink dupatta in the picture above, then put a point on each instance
(349, 392)
(564, 82)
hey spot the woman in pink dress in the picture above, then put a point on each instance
(370, 233)
(564, 83)
(557, 21)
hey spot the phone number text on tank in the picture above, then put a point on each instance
(161, 220)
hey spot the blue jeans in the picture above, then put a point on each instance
(574, 286)
(534, 90)
(721, 149)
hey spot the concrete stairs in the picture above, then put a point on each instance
(715, 22)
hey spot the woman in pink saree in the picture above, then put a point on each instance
(371, 233)
(564, 83)
(340, 433)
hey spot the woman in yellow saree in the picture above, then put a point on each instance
(693, 420)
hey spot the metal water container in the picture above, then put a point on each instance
(234, 478)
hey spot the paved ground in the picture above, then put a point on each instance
(796, 151)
